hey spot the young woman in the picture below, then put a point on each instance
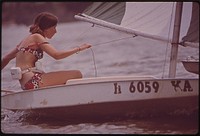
(30, 50)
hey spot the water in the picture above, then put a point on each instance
(131, 56)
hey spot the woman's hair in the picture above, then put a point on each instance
(43, 21)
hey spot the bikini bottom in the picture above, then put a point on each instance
(33, 83)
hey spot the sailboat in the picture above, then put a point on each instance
(126, 96)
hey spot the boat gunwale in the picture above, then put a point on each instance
(92, 81)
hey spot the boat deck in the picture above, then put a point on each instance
(107, 79)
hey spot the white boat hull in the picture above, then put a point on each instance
(107, 97)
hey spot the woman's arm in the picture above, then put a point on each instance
(50, 50)
(62, 54)
(6, 59)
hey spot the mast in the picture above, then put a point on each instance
(175, 40)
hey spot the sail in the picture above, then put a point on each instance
(108, 11)
(153, 20)
(147, 19)
(192, 36)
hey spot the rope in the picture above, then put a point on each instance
(93, 55)
(79, 35)
(113, 41)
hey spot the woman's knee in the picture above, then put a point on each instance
(78, 74)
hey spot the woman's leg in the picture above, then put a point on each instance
(59, 77)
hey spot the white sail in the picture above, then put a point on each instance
(148, 17)
(153, 20)
(134, 21)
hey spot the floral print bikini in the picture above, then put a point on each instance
(33, 83)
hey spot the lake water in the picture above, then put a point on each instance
(114, 54)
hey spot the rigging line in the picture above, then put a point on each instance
(93, 56)
(79, 36)
(114, 40)
(84, 32)
(167, 42)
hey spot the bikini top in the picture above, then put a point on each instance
(38, 53)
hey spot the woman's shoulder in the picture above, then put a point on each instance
(38, 38)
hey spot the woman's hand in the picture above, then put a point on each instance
(84, 46)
